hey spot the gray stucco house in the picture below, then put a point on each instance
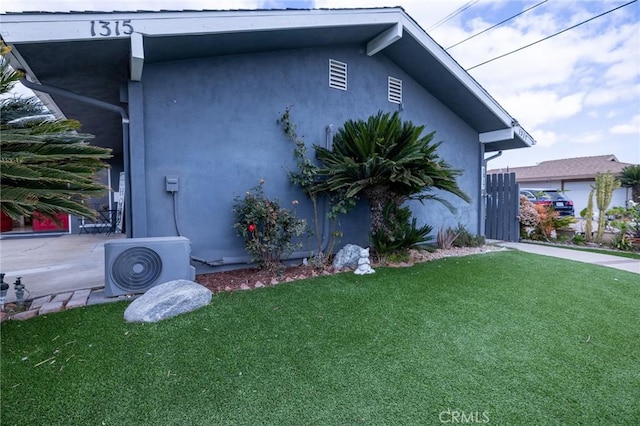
(196, 95)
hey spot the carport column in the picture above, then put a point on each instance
(137, 210)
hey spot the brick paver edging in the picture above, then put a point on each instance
(49, 304)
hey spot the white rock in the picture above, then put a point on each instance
(347, 256)
(168, 300)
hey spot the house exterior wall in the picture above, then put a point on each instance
(212, 123)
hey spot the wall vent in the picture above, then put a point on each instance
(394, 90)
(337, 74)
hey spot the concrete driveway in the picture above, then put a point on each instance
(54, 264)
(617, 262)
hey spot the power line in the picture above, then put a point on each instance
(499, 23)
(452, 14)
(552, 35)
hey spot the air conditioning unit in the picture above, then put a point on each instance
(134, 265)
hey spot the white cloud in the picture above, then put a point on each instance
(599, 96)
(624, 71)
(545, 138)
(541, 107)
(586, 138)
(630, 128)
(594, 58)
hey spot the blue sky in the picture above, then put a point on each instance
(577, 93)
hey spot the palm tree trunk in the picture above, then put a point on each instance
(379, 198)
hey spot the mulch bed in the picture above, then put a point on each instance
(249, 278)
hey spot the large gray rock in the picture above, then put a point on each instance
(347, 257)
(167, 300)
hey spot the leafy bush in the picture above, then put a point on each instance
(550, 221)
(578, 239)
(528, 216)
(267, 228)
(466, 238)
(403, 232)
(546, 225)
(560, 222)
(445, 239)
(628, 221)
(621, 241)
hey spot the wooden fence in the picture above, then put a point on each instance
(503, 205)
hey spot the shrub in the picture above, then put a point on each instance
(267, 228)
(466, 238)
(560, 222)
(546, 225)
(578, 240)
(622, 242)
(445, 239)
(528, 217)
(403, 232)
(629, 221)
(550, 221)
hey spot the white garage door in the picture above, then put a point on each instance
(579, 193)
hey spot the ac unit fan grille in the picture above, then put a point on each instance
(136, 268)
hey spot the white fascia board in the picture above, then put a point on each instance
(497, 135)
(137, 56)
(385, 39)
(17, 62)
(89, 26)
(444, 58)
(523, 135)
(511, 133)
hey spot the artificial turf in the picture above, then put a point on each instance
(497, 338)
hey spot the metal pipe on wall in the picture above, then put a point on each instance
(125, 133)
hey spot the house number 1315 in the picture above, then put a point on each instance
(111, 28)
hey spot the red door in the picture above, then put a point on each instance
(42, 223)
(6, 224)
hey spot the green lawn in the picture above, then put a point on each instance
(503, 338)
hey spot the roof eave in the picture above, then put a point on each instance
(118, 25)
(513, 137)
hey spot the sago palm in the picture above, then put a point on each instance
(45, 165)
(387, 161)
(631, 178)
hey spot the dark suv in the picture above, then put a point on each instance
(550, 198)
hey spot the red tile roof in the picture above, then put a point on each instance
(578, 168)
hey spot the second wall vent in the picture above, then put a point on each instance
(395, 90)
(337, 74)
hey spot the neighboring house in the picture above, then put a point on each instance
(575, 176)
(196, 95)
